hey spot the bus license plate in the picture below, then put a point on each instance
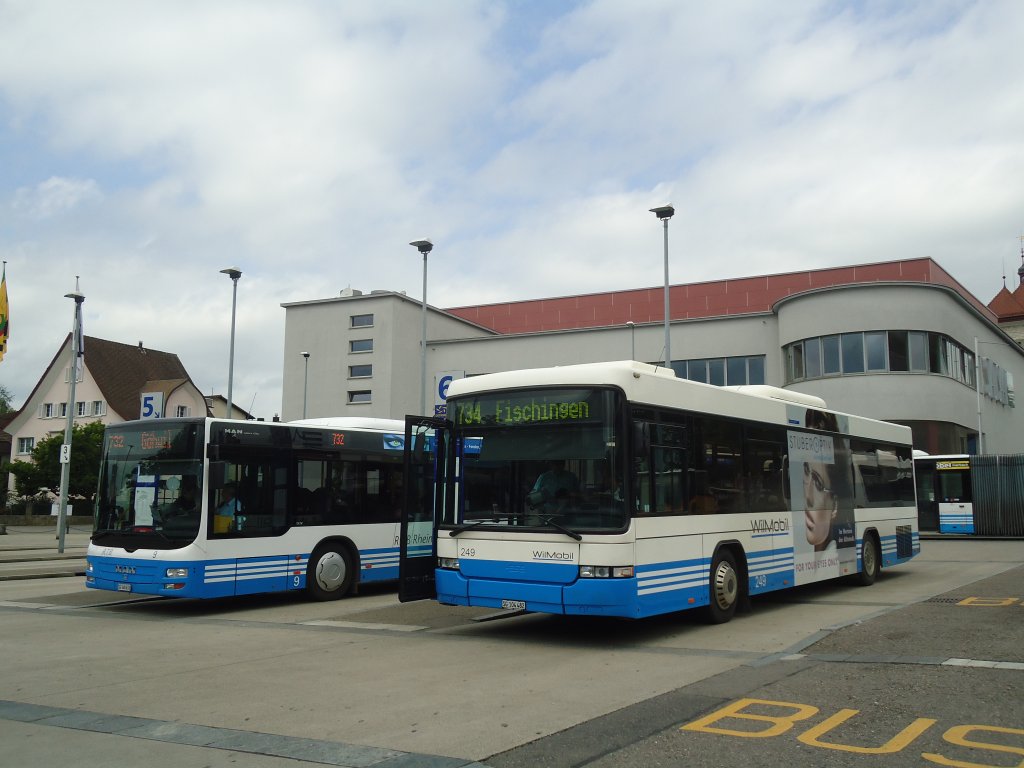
(514, 605)
(124, 587)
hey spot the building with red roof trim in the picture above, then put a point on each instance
(900, 340)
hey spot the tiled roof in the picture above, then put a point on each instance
(122, 370)
(1008, 306)
(718, 298)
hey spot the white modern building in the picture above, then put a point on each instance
(901, 341)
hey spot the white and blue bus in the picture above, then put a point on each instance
(207, 507)
(944, 498)
(617, 489)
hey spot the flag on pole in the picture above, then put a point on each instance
(5, 325)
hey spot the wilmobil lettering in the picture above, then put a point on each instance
(764, 525)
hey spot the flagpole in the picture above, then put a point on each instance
(65, 451)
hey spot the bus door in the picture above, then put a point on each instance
(426, 463)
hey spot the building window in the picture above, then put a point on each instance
(98, 408)
(360, 345)
(360, 371)
(80, 408)
(48, 411)
(874, 347)
(899, 351)
(812, 358)
(889, 352)
(853, 352)
(63, 410)
(26, 445)
(721, 371)
(182, 411)
(359, 396)
(361, 321)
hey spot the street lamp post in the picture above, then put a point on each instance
(65, 457)
(234, 273)
(423, 246)
(664, 213)
(632, 339)
(305, 383)
(977, 389)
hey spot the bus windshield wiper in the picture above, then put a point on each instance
(570, 533)
(466, 526)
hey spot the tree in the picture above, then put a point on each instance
(43, 472)
(5, 399)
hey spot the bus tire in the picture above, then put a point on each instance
(871, 561)
(724, 588)
(330, 573)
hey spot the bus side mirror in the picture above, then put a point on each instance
(218, 474)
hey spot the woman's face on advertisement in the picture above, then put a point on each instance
(819, 503)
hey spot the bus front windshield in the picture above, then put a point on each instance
(150, 488)
(540, 459)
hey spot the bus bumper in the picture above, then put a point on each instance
(583, 597)
(144, 578)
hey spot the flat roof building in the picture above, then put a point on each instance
(901, 341)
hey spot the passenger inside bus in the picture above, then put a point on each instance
(553, 488)
(224, 518)
(703, 502)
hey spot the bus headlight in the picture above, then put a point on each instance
(176, 573)
(606, 571)
(448, 563)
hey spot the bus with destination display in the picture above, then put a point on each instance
(945, 501)
(201, 507)
(617, 489)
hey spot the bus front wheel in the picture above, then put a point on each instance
(330, 573)
(725, 588)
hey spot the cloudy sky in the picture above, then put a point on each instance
(146, 145)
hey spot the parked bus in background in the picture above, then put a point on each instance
(210, 507)
(618, 489)
(944, 497)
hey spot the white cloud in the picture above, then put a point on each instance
(54, 196)
(309, 142)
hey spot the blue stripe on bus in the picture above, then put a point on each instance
(382, 564)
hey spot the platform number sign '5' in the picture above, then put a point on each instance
(152, 405)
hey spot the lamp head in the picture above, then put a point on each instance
(664, 211)
(233, 272)
(306, 355)
(424, 246)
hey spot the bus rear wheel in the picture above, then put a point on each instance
(329, 574)
(871, 561)
(724, 586)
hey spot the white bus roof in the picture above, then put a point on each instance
(659, 386)
(352, 422)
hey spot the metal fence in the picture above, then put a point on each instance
(998, 485)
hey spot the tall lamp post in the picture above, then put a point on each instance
(664, 213)
(234, 273)
(305, 383)
(423, 246)
(65, 453)
(632, 339)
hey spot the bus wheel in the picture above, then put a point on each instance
(725, 588)
(329, 574)
(871, 561)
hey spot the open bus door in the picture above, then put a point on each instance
(426, 466)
